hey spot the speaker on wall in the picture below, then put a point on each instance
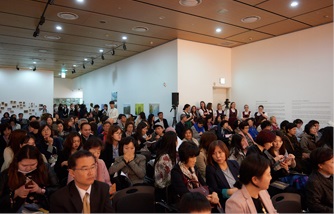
(175, 98)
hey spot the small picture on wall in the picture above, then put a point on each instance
(2, 107)
(41, 105)
(126, 109)
(2, 103)
(114, 96)
(154, 108)
(139, 107)
(14, 106)
(24, 103)
(12, 111)
(6, 104)
(9, 109)
(25, 111)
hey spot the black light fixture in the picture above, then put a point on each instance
(36, 33)
(113, 52)
(102, 56)
(124, 46)
(83, 66)
(34, 69)
(73, 71)
(92, 62)
(17, 67)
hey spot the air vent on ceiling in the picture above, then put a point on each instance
(250, 19)
(140, 29)
(51, 37)
(190, 3)
(67, 15)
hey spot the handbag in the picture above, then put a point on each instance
(201, 189)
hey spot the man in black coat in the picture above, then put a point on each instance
(162, 120)
(69, 199)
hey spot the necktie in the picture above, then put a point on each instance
(86, 205)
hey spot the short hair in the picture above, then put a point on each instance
(298, 121)
(72, 161)
(308, 127)
(187, 150)
(290, 126)
(265, 136)
(260, 106)
(252, 165)
(84, 123)
(212, 148)
(120, 116)
(182, 116)
(194, 202)
(206, 139)
(320, 155)
(283, 124)
(96, 106)
(111, 102)
(30, 117)
(93, 142)
(5, 126)
(243, 124)
(126, 141)
(265, 124)
(34, 124)
(200, 121)
(160, 112)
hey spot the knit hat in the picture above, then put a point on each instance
(158, 124)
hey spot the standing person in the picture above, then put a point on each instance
(181, 126)
(186, 111)
(254, 180)
(162, 120)
(65, 112)
(218, 114)
(194, 113)
(232, 115)
(113, 112)
(319, 187)
(246, 113)
(44, 110)
(84, 194)
(260, 115)
(28, 182)
(203, 111)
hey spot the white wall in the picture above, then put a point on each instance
(63, 88)
(138, 79)
(291, 75)
(26, 86)
(199, 68)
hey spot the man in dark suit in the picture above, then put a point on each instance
(73, 197)
(162, 120)
(85, 132)
(181, 126)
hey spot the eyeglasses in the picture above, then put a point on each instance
(87, 169)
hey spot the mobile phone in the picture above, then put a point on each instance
(27, 185)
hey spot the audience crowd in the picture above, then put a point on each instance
(213, 160)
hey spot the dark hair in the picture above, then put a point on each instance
(142, 115)
(222, 123)
(160, 112)
(72, 161)
(40, 175)
(139, 128)
(84, 123)
(111, 102)
(290, 126)
(282, 149)
(298, 121)
(111, 132)
(261, 106)
(209, 106)
(185, 106)
(149, 120)
(194, 202)
(96, 105)
(283, 124)
(243, 124)
(27, 138)
(308, 127)
(265, 136)
(168, 146)
(326, 137)
(30, 117)
(206, 139)
(93, 142)
(187, 150)
(5, 126)
(200, 106)
(200, 121)
(319, 156)
(265, 124)
(17, 138)
(212, 148)
(129, 122)
(42, 127)
(252, 165)
(188, 129)
(313, 122)
(236, 143)
(121, 115)
(126, 141)
(68, 143)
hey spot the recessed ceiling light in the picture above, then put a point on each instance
(85, 59)
(218, 30)
(140, 29)
(42, 51)
(101, 50)
(80, 1)
(190, 3)
(67, 15)
(251, 19)
(222, 11)
(294, 4)
(111, 45)
(34, 62)
(52, 37)
(74, 65)
(124, 38)
(58, 27)
(162, 17)
(227, 43)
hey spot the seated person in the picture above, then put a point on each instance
(131, 164)
(194, 202)
(198, 128)
(319, 187)
(28, 182)
(84, 194)
(254, 180)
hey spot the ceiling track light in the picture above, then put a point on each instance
(102, 56)
(42, 19)
(34, 69)
(17, 67)
(36, 33)
(92, 62)
(124, 46)
(73, 71)
(113, 52)
(83, 66)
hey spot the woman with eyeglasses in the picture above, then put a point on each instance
(27, 184)
(111, 147)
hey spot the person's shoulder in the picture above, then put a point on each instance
(140, 157)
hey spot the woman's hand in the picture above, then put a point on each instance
(21, 192)
(278, 158)
(305, 155)
(34, 187)
(213, 198)
(112, 189)
(49, 141)
(64, 163)
(128, 157)
(285, 166)
(148, 137)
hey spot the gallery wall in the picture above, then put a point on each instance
(291, 75)
(26, 86)
(148, 77)
(63, 88)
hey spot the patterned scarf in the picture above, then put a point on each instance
(190, 174)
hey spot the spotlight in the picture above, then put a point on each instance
(73, 71)
(92, 62)
(124, 46)
(102, 57)
(17, 67)
(83, 66)
(34, 69)
(113, 52)
(36, 33)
